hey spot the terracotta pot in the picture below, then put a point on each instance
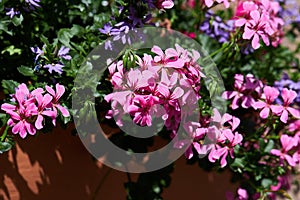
(57, 166)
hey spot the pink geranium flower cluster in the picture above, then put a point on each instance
(259, 19)
(224, 130)
(216, 139)
(246, 90)
(267, 106)
(166, 85)
(28, 109)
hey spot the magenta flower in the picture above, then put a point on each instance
(288, 97)
(43, 102)
(60, 90)
(270, 94)
(245, 91)
(142, 109)
(287, 144)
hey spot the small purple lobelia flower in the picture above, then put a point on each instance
(214, 27)
(106, 29)
(289, 11)
(54, 67)
(63, 53)
(11, 13)
(33, 3)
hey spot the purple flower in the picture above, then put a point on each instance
(63, 53)
(54, 67)
(37, 51)
(289, 11)
(215, 28)
(11, 13)
(106, 29)
(33, 3)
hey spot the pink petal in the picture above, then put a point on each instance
(264, 113)
(63, 110)
(38, 123)
(157, 50)
(290, 160)
(177, 93)
(294, 112)
(284, 116)
(255, 42)
(275, 152)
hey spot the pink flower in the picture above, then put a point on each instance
(260, 20)
(287, 144)
(288, 97)
(256, 27)
(142, 109)
(270, 94)
(168, 59)
(43, 102)
(21, 120)
(60, 90)
(245, 91)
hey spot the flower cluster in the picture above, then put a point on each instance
(214, 27)
(260, 19)
(218, 140)
(171, 80)
(246, 90)
(56, 65)
(28, 109)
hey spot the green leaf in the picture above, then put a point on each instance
(64, 36)
(5, 146)
(12, 50)
(17, 21)
(266, 183)
(269, 146)
(9, 86)
(26, 71)
(239, 163)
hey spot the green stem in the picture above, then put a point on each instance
(4, 133)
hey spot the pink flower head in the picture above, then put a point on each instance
(60, 90)
(287, 144)
(270, 94)
(142, 109)
(246, 90)
(288, 97)
(260, 20)
(168, 59)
